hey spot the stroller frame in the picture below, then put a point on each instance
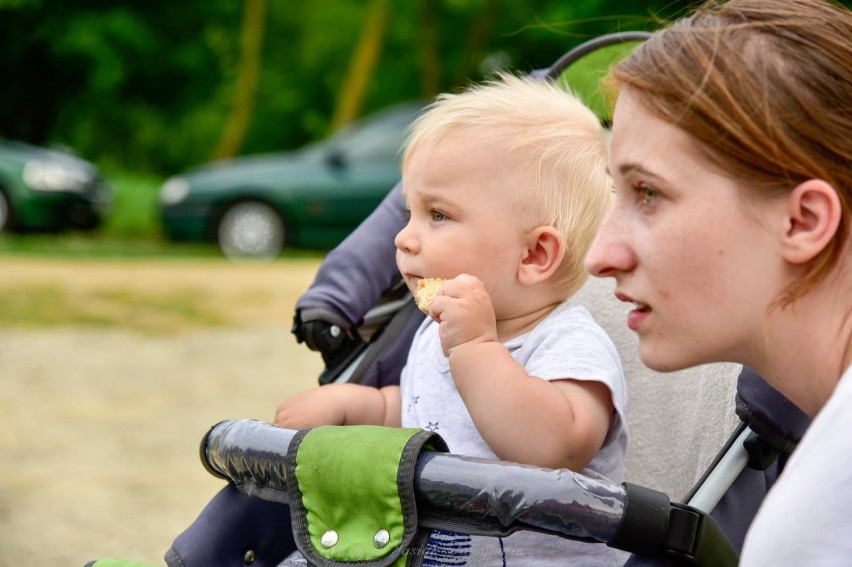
(251, 454)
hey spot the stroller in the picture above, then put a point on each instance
(363, 336)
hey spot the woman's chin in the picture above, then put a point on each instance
(662, 361)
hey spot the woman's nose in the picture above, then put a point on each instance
(611, 252)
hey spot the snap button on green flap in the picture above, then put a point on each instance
(381, 538)
(329, 539)
(335, 522)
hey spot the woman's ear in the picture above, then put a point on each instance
(813, 214)
(543, 255)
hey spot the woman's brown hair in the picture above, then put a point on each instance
(765, 86)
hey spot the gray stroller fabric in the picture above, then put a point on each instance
(352, 279)
(772, 416)
(235, 529)
(361, 269)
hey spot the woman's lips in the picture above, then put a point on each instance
(636, 316)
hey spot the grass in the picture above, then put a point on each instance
(95, 245)
(37, 306)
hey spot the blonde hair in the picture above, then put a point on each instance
(550, 132)
(765, 87)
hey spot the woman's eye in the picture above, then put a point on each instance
(438, 216)
(646, 194)
(405, 214)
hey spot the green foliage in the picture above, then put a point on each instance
(115, 80)
(585, 77)
(134, 206)
(148, 86)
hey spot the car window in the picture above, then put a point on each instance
(376, 140)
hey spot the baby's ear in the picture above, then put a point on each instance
(813, 212)
(543, 255)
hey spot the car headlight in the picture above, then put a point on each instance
(174, 191)
(51, 176)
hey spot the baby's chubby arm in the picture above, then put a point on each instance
(340, 404)
(554, 424)
(524, 419)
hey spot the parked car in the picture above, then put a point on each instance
(313, 197)
(47, 190)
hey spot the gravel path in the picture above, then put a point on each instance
(99, 428)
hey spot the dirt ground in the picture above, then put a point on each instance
(100, 427)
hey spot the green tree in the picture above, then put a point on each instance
(362, 66)
(160, 86)
(251, 40)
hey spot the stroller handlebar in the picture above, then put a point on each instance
(490, 497)
(479, 496)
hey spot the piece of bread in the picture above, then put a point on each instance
(427, 289)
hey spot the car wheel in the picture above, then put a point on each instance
(250, 230)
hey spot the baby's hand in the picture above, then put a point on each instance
(427, 289)
(465, 313)
(317, 406)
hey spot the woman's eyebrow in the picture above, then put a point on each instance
(628, 168)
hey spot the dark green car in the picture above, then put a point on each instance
(47, 190)
(308, 198)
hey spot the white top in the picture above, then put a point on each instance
(567, 344)
(806, 518)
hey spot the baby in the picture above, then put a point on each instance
(505, 186)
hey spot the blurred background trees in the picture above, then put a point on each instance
(159, 85)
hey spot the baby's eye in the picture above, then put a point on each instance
(405, 213)
(438, 216)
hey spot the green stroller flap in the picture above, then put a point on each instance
(351, 494)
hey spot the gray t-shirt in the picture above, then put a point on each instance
(567, 344)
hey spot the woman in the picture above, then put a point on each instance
(732, 162)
